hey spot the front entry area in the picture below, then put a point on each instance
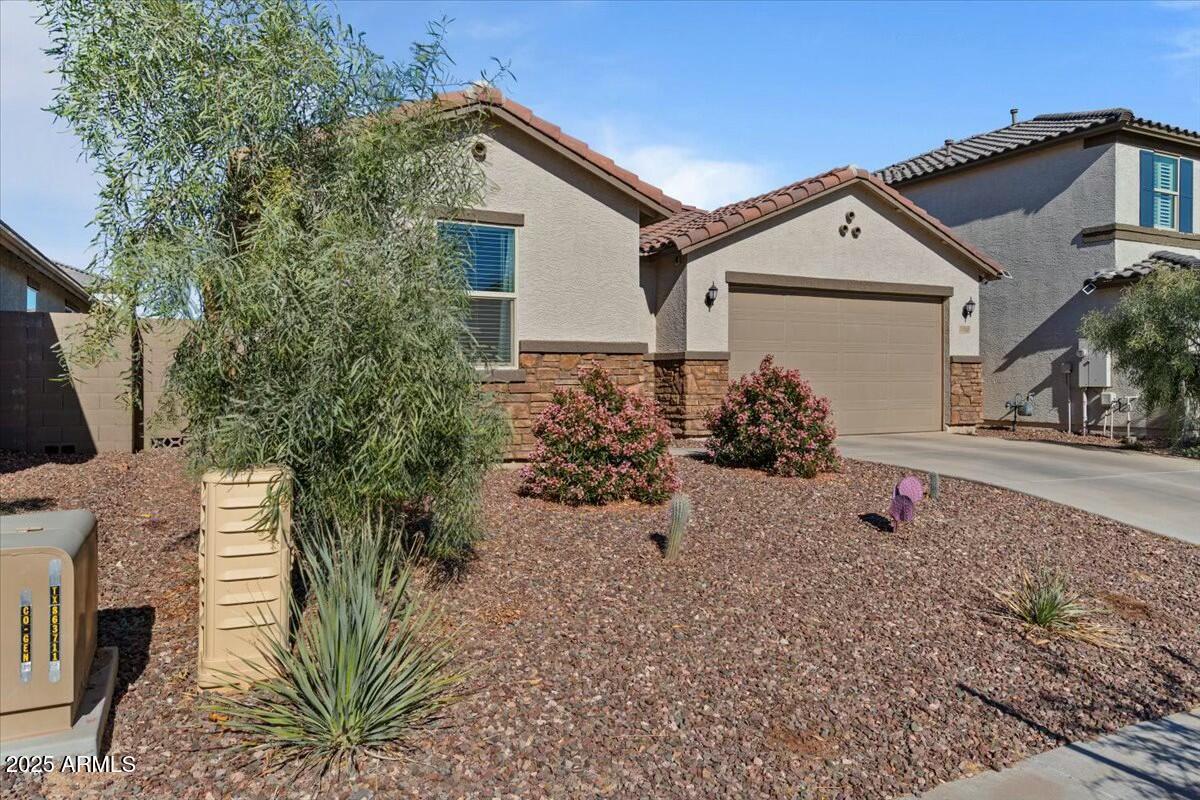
(879, 358)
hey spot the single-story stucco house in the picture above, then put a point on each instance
(576, 260)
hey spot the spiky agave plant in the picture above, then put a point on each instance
(367, 666)
(681, 513)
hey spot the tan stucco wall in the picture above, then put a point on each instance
(578, 272)
(15, 275)
(806, 243)
(1129, 183)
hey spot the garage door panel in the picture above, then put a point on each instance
(877, 358)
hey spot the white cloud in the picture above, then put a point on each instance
(46, 192)
(690, 176)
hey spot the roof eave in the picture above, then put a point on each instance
(24, 250)
(987, 271)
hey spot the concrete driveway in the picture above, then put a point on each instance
(1155, 493)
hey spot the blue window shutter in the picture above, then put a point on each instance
(1185, 195)
(1146, 208)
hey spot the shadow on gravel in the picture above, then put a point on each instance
(129, 630)
(25, 505)
(877, 521)
(16, 462)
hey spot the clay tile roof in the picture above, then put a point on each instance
(1162, 259)
(491, 97)
(691, 226)
(1018, 136)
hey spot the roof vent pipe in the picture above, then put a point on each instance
(949, 154)
(1013, 113)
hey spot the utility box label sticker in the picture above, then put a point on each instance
(26, 636)
(55, 619)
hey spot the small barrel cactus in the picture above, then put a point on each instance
(681, 512)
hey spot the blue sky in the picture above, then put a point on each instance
(711, 101)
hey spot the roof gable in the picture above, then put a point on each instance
(493, 101)
(1042, 129)
(692, 227)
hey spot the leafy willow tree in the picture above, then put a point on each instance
(1153, 333)
(268, 176)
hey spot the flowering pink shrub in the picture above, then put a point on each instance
(770, 419)
(599, 444)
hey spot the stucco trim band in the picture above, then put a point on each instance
(966, 359)
(490, 217)
(1136, 233)
(771, 281)
(691, 355)
(603, 348)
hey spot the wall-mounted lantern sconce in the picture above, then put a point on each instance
(968, 308)
(710, 296)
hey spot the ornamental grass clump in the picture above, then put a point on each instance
(771, 419)
(1044, 599)
(599, 444)
(367, 666)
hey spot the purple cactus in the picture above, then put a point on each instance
(902, 509)
(911, 488)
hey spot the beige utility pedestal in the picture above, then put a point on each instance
(245, 566)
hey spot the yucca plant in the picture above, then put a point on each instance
(1044, 598)
(366, 668)
(681, 514)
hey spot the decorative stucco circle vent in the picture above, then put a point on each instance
(856, 232)
(842, 229)
(849, 216)
(479, 151)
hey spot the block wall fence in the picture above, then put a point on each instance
(42, 413)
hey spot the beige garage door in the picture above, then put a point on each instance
(878, 358)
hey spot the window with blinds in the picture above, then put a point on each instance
(1165, 174)
(489, 258)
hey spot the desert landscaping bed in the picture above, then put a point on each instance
(795, 650)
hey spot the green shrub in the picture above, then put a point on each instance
(771, 419)
(1044, 598)
(600, 444)
(367, 666)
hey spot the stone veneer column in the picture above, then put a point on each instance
(966, 392)
(687, 389)
(526, 398)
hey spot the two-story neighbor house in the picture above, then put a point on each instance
(29, 281)
(574, 260)
(1074, 206)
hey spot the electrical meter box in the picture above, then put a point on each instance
(47, 620)
(1095, 367)
(245, 570)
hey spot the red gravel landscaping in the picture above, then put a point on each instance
(795, 650)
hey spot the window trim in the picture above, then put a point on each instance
(515, 356)
(1173, 193)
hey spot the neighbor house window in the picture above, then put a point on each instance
(1166, 192)
(31, 297)
(489, 255)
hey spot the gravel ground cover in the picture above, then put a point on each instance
(795, 650)
(1031, 434)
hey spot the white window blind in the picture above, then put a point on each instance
(489, 258)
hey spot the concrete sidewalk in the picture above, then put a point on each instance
(1156, 493)
(1157, 760)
